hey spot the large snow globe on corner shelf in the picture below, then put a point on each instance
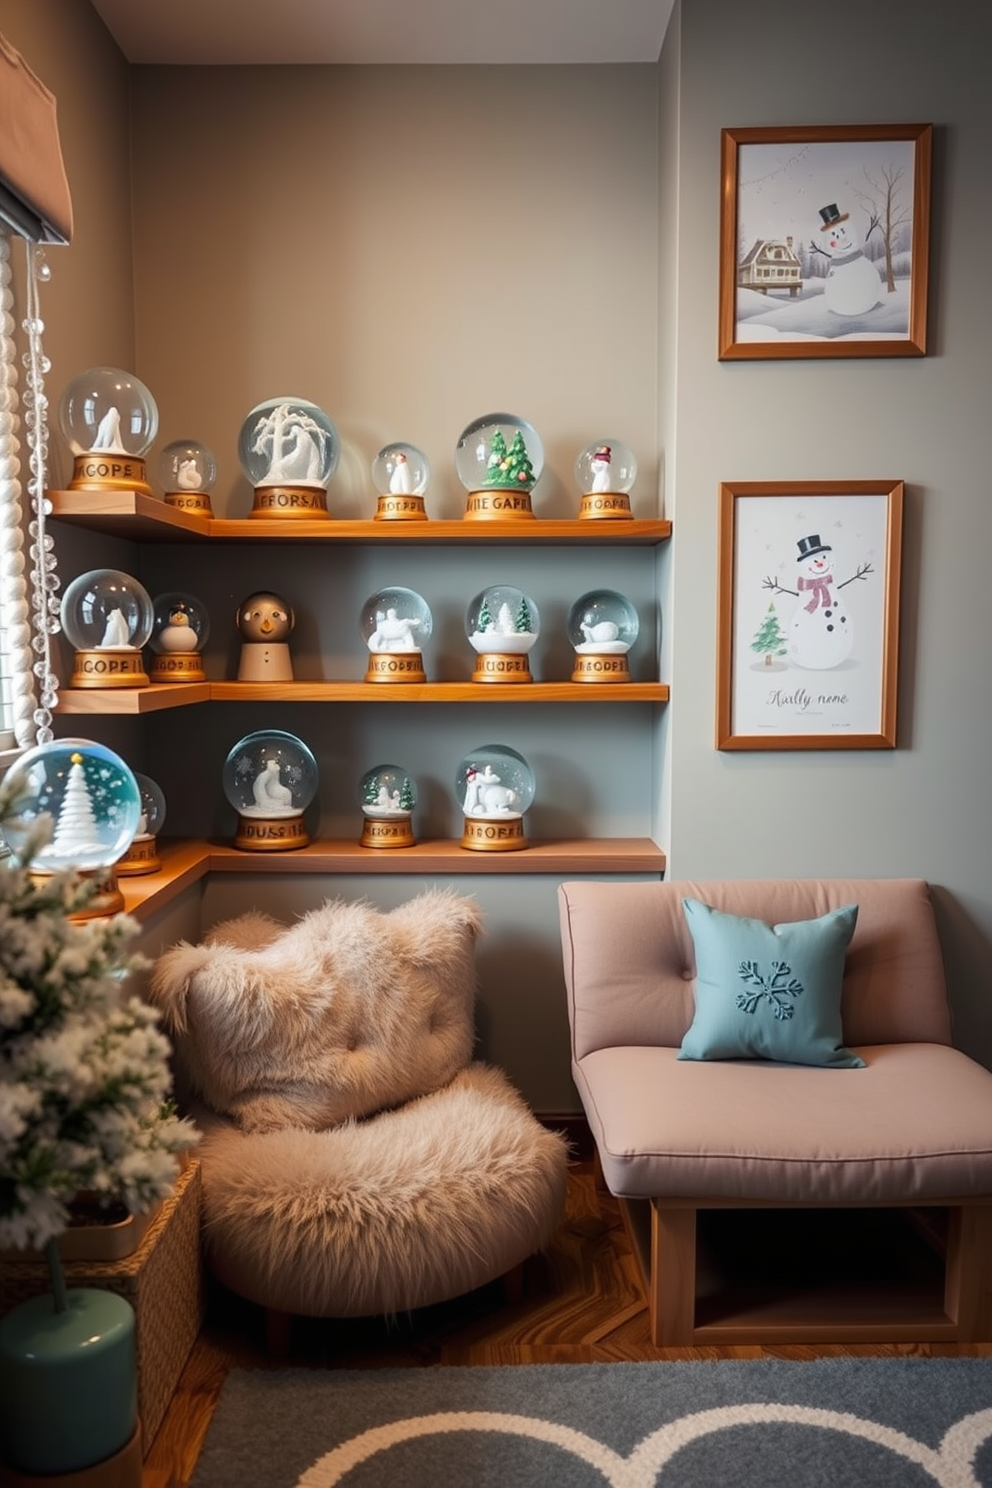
(499, 458)
(396, 624)
(495, 787)
(270, 778)
(401, 473)
(109, 420)
(388, 796)
(502, 624)
(604, 473)
(288, 449)
(602, 627)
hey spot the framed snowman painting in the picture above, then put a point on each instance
(808, 618)
(824, 241)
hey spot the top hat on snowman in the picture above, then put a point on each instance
(810, 546)
(831, 216)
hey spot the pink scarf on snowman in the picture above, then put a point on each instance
(820, 591)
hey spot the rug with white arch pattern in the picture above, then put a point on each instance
(766, 1423)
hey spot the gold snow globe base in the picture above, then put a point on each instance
(107, 898)
(177, 666)
(499, 666)
(396, 666)
(596, 504)
(141, 857)
(379, 832)
(499, 506)
(396, 508)
(270, 833)
(197, 503)
(95, 471)
(602, 668)
(290, 503)
(104, 667)
(486, 834)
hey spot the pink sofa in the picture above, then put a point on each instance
(907, 1139)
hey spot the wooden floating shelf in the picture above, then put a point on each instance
(132, 700)
(138, 700)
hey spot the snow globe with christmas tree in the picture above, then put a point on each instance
(602, 627)
(502, 624)
(180, 629)
(270, 778)
(495, 787)
(142, 855)
(288, 449)
(401, 473)
(604, 473)
(107, 616)
(188, 471)
(396, 624)
(388, 797)
(109, 420)
(499, 458)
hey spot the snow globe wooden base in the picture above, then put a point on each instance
(502, 666)
(93, 471)
(290, 503)
(395, 666)
(106, 667)
(141, 857)
(177, 666)
(387, 832)
(197, 503)
(270, 833)
(593, 667)
(394, 508)
(107, 897)
(488, 834)
(498, 505)
(609, 504)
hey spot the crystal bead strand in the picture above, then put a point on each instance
(44, 575)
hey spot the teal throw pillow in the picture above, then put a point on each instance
(769, 991)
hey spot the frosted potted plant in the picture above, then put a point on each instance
(84, 1106)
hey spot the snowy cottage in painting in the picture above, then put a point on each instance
(772, 263)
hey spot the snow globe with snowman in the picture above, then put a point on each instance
(401, 473)
(188, 471)
(288, 449)
(388, 797)
(107, 616)
(604, 473)
(602, 627)
(495, 787)
(499, 458)
(180, 629)
(502, 624)
(270, 778)
(396, 624)
(142, 855)
(109, 420)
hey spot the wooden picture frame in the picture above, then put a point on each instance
(808, 621)
(824, 241)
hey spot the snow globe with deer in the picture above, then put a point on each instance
(602, 627)
(270, 778)
(401, 473)
(109, 420)
(499, 458)
(188, 473)
(107, 616)
(502, 625)
(604, 473)
(495, 787)
(142, 855)
(388, 797)
(288, 449)
(180, 630)
(93, 802)
(396, 624)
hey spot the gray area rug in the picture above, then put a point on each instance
(846, 1423)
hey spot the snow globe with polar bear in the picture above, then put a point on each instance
(495, 787)
(109, 420)
(270, 778)
(602, 627)
(107, 616)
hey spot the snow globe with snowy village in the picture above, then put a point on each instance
(502, 624)
(604, 473)
(92, 799)
(388, 797)
(188, 472)
(142, 855)
(180, 629)
(396, 624)
(602, 627)
(499, 458)
(494, 786)
(288, 449)
(401, 473)
(107, 616)
(109, 420)
(270, 778)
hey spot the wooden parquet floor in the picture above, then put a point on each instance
(579, 1303)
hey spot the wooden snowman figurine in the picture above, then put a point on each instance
(265, 621)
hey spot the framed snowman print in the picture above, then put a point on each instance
(808, 619)
(824, 241)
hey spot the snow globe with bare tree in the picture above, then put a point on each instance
(288, 449)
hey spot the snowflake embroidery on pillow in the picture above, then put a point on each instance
(776, 988)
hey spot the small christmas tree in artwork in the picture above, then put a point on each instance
(520, 471)
(768, 639)
(496, 465)
(523, 622)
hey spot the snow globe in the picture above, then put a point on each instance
(396, 623)
(288, 449)
(266, 622)
(107, 616)
(494, 786)
(502, 624)
(109, 419)
(94, 803)
(401, 473)
(602, 627)
(388, 796)
(188, 470)
(270, 778)
(604, 472)
(180, 628)
(499, 459)
(142, 856)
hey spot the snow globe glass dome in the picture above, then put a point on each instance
(270, 778)
(604, 473)
(180, 629)
(93, 801)
(502, 624)
(499, 458)
(494, 786)
(602, 627)
(400, 473)
(107, 616)
(396, 624)
(142, 855)
(388, 796)
(288, 449)
(109, 420)
(188, 471)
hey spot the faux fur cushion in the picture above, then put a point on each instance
(347, 1011)
(379, 1216)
